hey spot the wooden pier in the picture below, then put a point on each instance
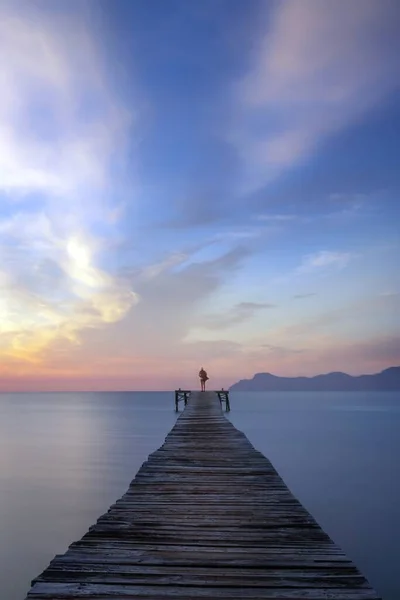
(183, 396)
(207, 516)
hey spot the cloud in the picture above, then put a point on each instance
(62, 134)
(171, 304)
(245, 232)
(282, 351)
(52, 289)
(323, 260)
(59, 122)
(350, 207)
(323, 356)
(199, 209)
(369, 356)
(318, 68)
(381, 311)
(212, 350)
(389, 294)
(165, 265)
(301, 296)
(239, 313)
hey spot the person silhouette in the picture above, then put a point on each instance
(203, 378)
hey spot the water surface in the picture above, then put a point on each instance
(64, 458)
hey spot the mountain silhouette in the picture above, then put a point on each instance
(387, 380)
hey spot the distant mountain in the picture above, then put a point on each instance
(388, 380)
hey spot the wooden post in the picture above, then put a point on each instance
(223, 396)
(181, 395)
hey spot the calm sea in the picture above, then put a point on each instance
(64, 458)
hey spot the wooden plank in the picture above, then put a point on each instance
(207, 515)
(69, 591)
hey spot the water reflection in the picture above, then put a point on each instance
(64, 458)
(339, 454)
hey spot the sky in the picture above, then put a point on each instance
(189, 184)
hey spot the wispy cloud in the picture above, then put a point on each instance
(59, 121)
(282, 351)
(382, 311)
(243, 311)
(389, 294)
(322, 355)
(156, 269)
(171, 302)
(301, 296)
(323, 260)
(318, 67)
(61, 133)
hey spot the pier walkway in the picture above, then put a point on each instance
(207, 516)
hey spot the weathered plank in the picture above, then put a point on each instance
(206, 516)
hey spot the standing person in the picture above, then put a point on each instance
(203, 378)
